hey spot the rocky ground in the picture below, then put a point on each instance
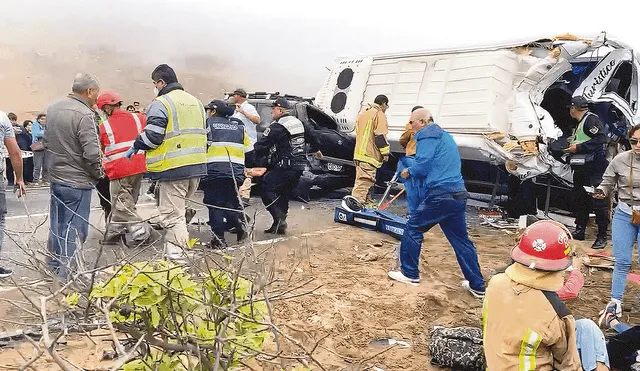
(346, 301)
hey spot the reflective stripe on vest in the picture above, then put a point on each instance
(528, 350)
(185, 141)
(579, 136)
(113, 146)
(116, 165)
(227, 142)
(292, 124)
(361, 150)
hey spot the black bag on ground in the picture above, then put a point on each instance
(459, 348)
(623, 348)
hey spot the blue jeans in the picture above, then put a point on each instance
(592, 346)
(68, 217)
(623, 236)
(448, 210)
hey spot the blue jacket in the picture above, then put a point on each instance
(436, 169)
(37, 131)
(413, 186)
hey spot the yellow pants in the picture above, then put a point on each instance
(365, 179)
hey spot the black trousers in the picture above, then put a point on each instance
(27, 170)
(222, 193)
(105, 196)
(277, 187)
(590, 174)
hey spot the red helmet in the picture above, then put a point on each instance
(544, 245)
(108, 98)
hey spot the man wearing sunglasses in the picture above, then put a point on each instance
(588, 162)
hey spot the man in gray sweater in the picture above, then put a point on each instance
(76, 166)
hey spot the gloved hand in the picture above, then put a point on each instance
(132, 151)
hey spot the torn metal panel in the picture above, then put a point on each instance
(518, 89)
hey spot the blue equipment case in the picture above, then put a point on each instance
(373, 220)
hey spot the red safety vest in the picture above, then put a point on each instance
(117, 135)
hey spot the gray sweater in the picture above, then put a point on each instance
(617, 176)
(72, 139)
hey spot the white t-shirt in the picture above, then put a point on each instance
(249, 126)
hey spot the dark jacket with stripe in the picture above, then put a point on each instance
(221, 131)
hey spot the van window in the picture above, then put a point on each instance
(620, 83)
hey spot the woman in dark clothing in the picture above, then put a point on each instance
(24, 140)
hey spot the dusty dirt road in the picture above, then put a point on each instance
(351, 302)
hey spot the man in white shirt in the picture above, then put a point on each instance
(249, 116)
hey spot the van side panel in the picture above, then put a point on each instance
(466, 92)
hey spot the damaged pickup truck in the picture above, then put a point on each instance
(505, 105)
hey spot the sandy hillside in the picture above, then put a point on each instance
(31, 79)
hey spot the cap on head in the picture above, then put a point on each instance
(579, 102)
(544, 246)
(240, 92)
(165, 73)
(281, 102)
(110, 98)
(220, 107)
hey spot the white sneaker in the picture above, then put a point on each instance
(476, 294)
(150, 196)
(398, 276)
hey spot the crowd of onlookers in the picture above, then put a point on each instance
(29, 136)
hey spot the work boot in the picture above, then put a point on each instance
(242, 233)
(578, 234)
(217, 243)
(189, 213)
(600, 243)
(279, 226)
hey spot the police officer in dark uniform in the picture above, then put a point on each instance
(227, 142)
(284, 142)
(588, 162)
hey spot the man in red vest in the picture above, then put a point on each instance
(117, 134)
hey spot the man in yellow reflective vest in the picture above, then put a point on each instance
(175, 141)
(372, 148)
(588, 162)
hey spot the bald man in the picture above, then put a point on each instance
(437, 183)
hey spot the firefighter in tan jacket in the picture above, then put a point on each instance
(406, 139)
(525, 324)
(372, 148)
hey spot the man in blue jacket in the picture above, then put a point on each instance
(436, 182)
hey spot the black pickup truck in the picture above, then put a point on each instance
(335, 169)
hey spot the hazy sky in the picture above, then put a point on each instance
(285, 45)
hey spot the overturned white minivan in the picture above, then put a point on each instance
(504, 104)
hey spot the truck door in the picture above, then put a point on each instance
(614, 80)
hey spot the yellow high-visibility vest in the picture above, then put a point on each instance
(185, 140)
